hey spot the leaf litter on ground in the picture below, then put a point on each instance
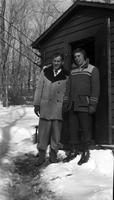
(26, 180)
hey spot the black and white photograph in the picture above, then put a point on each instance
(56, 99)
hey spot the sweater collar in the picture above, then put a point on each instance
(85, 65)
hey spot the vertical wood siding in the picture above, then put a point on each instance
(112, 74)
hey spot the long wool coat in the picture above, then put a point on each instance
(49, 94)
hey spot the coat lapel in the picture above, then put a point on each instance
(48, 72)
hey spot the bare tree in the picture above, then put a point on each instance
(45, 12)
(3, 52)
(12, 13)
(20, 22)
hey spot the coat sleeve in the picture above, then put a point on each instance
(95, 87)
(39, 89)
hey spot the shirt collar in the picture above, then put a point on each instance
(56, 72)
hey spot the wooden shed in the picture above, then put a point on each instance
(89, 25)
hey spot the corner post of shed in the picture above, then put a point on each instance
(109, 81)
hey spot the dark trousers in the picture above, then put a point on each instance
(80, 128)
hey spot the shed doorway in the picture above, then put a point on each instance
(96, 49)
(88, 45)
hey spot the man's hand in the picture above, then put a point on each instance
(92, 109)
(37, 110)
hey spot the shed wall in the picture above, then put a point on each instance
(80, 25)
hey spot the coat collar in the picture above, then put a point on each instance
(48, 72)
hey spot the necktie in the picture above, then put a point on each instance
(56, 72)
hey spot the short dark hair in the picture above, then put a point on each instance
(77, 50)
(58, 54)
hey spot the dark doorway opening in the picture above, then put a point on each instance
(96, 48)
(89, 45)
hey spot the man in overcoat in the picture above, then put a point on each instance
(48, 102)
(81, 99)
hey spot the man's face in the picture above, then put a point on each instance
(57, 62)
(79, 58)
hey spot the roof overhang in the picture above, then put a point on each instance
(78, 4)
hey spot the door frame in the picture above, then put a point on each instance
(109, 79)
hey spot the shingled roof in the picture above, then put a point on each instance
(77, 5)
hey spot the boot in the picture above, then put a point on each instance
(84, 157)
(53, 156)
(71, 155)
(41, 158)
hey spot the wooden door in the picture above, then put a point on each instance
(101, 61)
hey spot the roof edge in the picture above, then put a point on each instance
(67, 12)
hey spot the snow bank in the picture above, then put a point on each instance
(90, 181)
(17, 125)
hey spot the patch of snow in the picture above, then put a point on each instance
(1, 135)
(92, 180)
(19, 133)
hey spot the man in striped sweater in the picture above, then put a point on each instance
(81, 99)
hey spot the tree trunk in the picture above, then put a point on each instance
(3, 75)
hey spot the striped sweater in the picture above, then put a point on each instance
(83, 87)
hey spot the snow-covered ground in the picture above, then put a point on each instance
(91, 181)
(69, 181)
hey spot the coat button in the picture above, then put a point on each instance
(58, 92)
(58, 82)
(57, 100)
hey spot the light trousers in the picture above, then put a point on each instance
(49, 133)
